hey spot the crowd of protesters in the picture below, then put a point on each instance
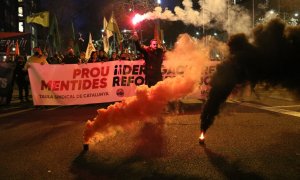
(152, 55)
(22, 63)
(96, 56)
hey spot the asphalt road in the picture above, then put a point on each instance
(245, 142)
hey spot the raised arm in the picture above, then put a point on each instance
(137, 43)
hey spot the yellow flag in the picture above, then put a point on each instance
(113, 27)
(90, 48)
(105, 36)
(41, 18)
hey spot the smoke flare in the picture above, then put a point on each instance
(150, 102)
(213, 13)
(270, 55)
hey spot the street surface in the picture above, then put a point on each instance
(252, 138)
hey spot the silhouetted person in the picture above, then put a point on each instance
(102, 56)
(22, 79)
(114, 56)
(94, 57)
(153, 56)
(70, 58)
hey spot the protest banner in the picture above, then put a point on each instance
(74, 84)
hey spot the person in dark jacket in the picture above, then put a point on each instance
(153, 56)
(22, 79)
(94, 58)
(102, 56)
(114, 56)
(70, 58)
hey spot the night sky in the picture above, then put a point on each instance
(87, 16)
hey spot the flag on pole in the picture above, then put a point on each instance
(55, 35)
(113, 27)
(106, 35)
(41, 18)
(17, 51)
(90, 48)
(107, 31)
(76, 47)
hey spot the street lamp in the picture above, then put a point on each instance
(157, 30)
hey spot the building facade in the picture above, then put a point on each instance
(13, 26)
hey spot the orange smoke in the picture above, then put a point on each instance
(150, 102)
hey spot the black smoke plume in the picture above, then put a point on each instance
(271, 55)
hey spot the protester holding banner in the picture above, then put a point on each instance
(37, 57)
(114, 56)
(102, 56)
(153, 56)
(70, 58)
(94, 58)
(82, 58)
(55, 59)
(124, 56)
(22, 79)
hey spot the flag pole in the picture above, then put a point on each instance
(114, 42)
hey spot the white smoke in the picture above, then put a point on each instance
(232, 18)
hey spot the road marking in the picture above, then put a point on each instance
(290, 106)
(53, 108)
(269, 108)
(14, 107)
(15, 112)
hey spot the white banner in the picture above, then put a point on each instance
(71, 84)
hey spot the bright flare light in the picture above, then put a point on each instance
(137, 18)
(201, 138)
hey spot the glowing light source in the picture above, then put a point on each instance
(137, 18)
(201, 138)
